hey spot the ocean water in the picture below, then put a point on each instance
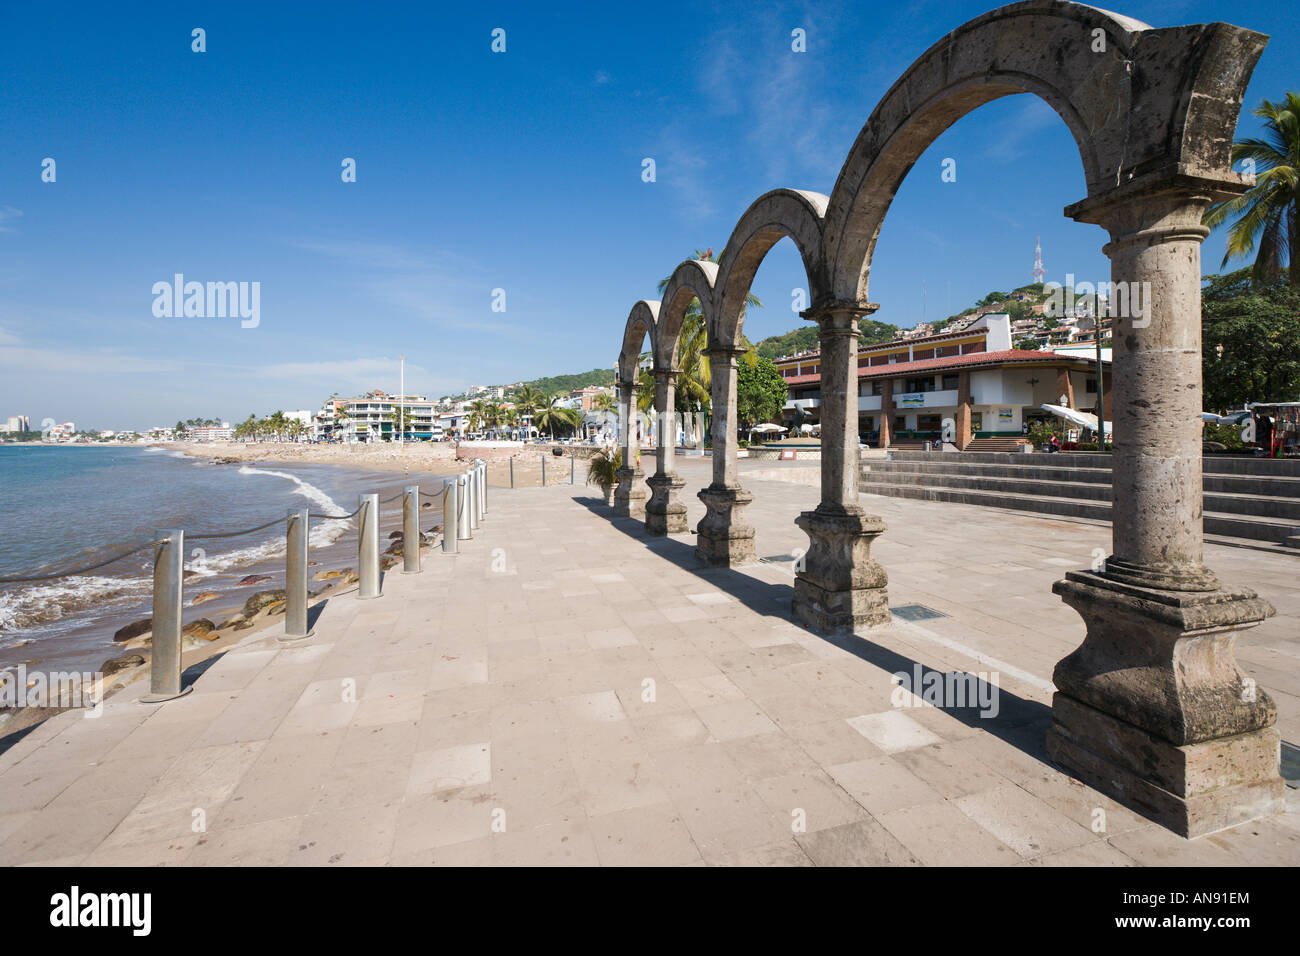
(67, 507)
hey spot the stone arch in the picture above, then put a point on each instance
(776, 215)
(693, 279)
(1147, 108)
(642, 323)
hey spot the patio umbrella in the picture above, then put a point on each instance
(769, 428)
(1083, 419)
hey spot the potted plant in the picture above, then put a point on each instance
(602, 469)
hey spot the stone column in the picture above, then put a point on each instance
(840, 586)
(963, 416)
(886, 412)
(724, 539)
(1152, 708)
(629, 496)
(665, 512)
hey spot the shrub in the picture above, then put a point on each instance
(602, 468)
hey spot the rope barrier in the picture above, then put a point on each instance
(230, 534)
(27, 579)
(65, 574)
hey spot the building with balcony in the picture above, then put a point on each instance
(222, 432)
(374, 417)
(989, 390)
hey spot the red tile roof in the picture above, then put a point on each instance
(952, 361)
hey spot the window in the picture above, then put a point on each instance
(977, 421)
(927, 423)
(1090, 385)
(949, 381)
(877, 387)
(919, 384)
(900, 423)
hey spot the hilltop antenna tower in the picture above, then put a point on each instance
(1039, 272)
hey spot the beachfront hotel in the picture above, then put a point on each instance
(975, 377)
(373, 417)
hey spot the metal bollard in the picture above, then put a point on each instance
(463, 530)
(368, 548)
(411, 529)
(295, 577)
(544, 457)
(471, 479)
(572, 466)
(512, 471)
(450, 535)
(165, 663)
(480, 486)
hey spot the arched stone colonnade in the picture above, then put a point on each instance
(1153, 697)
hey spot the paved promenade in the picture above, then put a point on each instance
(570, 691)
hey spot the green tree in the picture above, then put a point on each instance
(760, 392)
(555, 414)
(1250, 341)
(1269, 213)
(693, 384)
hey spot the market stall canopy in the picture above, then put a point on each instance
(1082, 419)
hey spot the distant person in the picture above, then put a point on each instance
(1054, 444)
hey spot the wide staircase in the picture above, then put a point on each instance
(996, 444)
(1251, 498)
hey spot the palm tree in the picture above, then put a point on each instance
(528, 399)
(1270, 211)
(554, 413)
(694, 382)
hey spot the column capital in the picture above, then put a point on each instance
(838, 318)
(624, 383)
(1155, 210)
(721, 351)
(666, 376)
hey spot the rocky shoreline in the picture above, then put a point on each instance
(201, 638)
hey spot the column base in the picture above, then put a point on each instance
(1152, 709)
(1192, 790)
(723, 538)
(665, 513)
(841, 587)
(629, 496)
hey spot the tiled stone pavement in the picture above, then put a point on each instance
(569, 691)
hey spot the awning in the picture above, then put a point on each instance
(1082, 419)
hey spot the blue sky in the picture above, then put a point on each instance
(475, 171)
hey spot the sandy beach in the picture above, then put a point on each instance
(518, 467)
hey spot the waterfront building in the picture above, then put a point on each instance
(975, 377)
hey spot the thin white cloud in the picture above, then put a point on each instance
(7, 215)
(440, 287)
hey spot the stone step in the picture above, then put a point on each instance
(951, 464)
(1264, 485)
(1268, 507)
(1211, 464)
(1215, 523)
(1014, 484)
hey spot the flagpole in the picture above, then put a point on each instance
(401, 408)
